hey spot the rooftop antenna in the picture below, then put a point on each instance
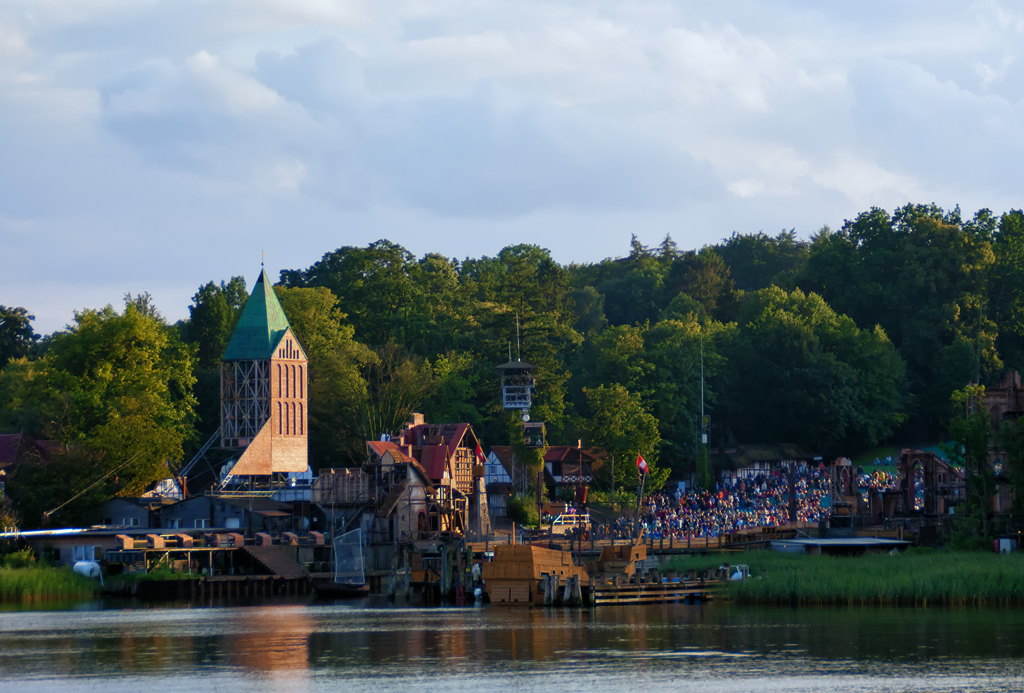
(510, 351)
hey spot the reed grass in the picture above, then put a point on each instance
(44, 584)
(918, 578)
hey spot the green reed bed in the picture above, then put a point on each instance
(43, 584)
(914, 578)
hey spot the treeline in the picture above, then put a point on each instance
(838, 342)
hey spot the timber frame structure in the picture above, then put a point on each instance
(263, 396)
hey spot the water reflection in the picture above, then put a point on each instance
(307, 647)
(270, 639)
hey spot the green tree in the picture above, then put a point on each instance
(115, 389)
(212, 318)
(704, 277)
(971, 431)
(213, 315)
(337, 385)
(1007, 288)
(704, 476)
(376, 284)
(922, 274)
(16, 334)
(619, 423)
(662, 366)
(397, 385)
(801, 373)
(756, 261)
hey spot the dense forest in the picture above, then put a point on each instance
(840, 342)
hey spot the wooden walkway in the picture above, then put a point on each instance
(604, 592)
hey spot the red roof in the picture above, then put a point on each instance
(435, 434)
(561, 453)
(379, 447)
(434, 459)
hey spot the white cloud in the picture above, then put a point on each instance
(181, 132)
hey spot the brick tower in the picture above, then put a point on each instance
(263, 389)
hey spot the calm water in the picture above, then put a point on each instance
(345, 647)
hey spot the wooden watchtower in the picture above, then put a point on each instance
(263, 390)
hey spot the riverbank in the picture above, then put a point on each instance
(44, 584)
(915, 578)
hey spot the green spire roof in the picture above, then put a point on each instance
(261, 326)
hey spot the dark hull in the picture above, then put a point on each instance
(336, 590)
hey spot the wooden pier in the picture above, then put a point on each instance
(605, 592)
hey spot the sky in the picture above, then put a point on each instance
(153, 146)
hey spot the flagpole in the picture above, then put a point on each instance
(639, 497)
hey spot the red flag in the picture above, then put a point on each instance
(642, 463)
(479, 452)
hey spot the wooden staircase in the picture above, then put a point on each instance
(279, 560)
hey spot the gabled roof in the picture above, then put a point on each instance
(434, 459)
(379, 447)
(506, 457)
(261, 326)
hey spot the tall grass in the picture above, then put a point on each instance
(914, 578)
(43, 584)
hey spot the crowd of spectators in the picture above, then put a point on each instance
(736, 504)
(762, 501)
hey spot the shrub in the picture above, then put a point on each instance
(522, 510)
(18, 559)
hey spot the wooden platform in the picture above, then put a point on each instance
(603, 593)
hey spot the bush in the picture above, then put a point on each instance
(522, 510)
(18, 559)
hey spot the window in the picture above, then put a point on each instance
(302, 384)
(172, 523)
(199, 524)
(302, 421)
(130, 521)
(293, 381)
(87, 553)
(280, 424)
(232, 522)
(293, 418)
(279, 380)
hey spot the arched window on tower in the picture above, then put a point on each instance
(280, 424)
(293, 419)
(302, 420)
(302, 384)
(279, 380)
